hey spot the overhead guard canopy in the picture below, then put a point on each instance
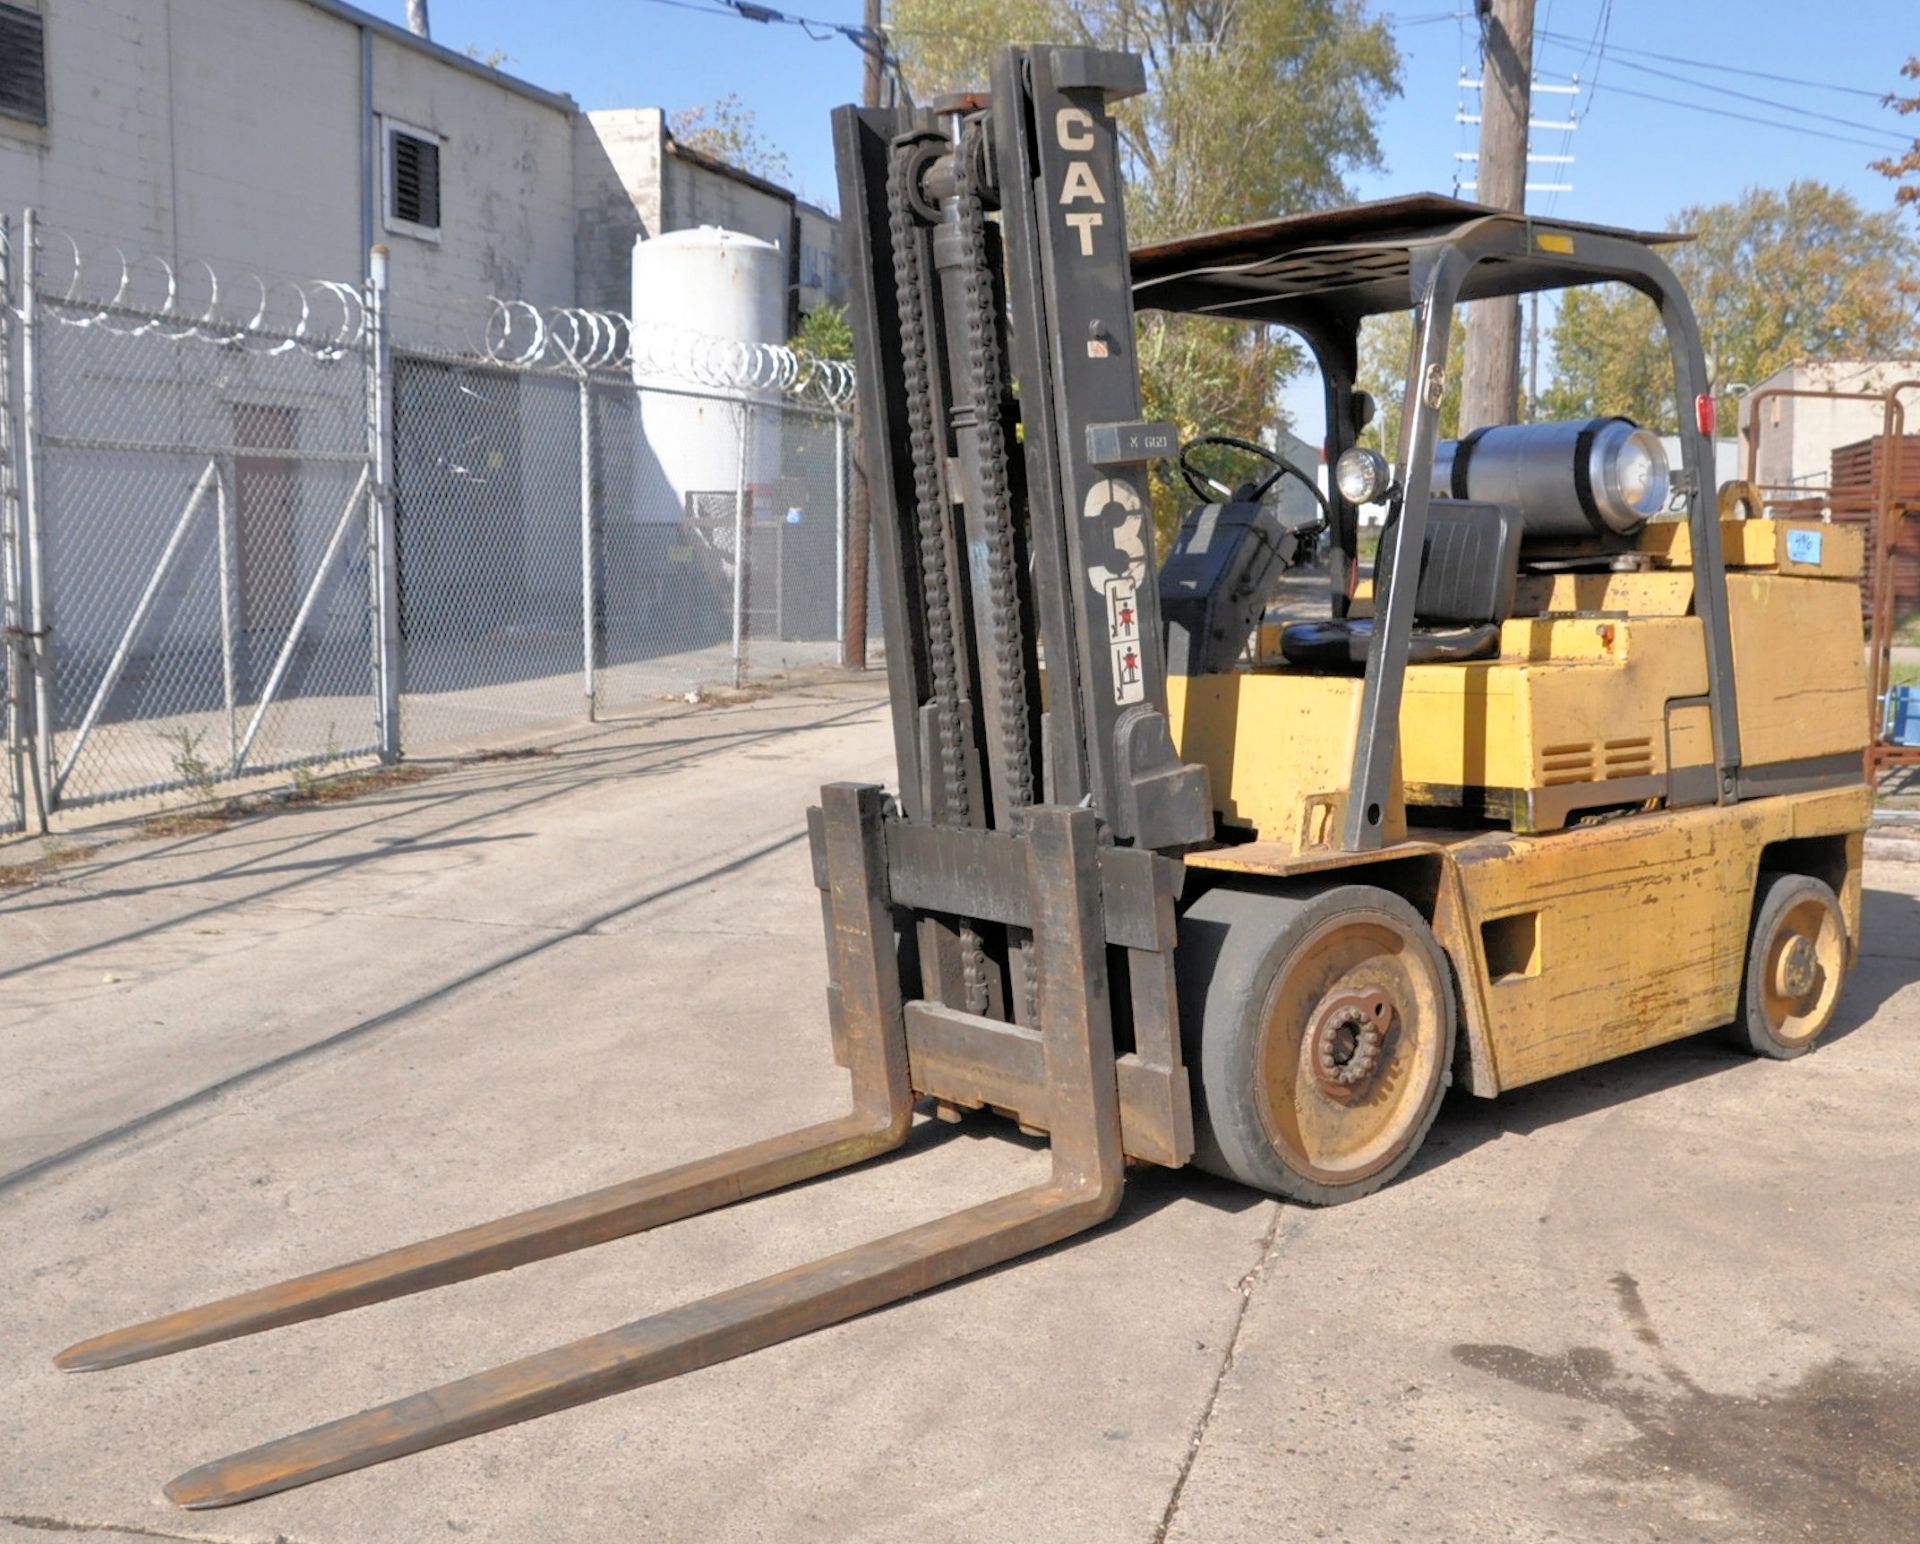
(1355, 261)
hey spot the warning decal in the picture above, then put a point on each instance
(1123, 631)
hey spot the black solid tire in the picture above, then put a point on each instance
(1234, 947)
(1782, 901)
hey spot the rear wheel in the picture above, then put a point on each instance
(1321, 1027)
(1796, 962)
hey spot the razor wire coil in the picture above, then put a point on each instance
(524, 335)
(151, 296)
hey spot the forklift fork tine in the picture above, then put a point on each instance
(1063, 882)
(537, 1234)
(694, 1335)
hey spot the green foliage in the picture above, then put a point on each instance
(308, 776)
(825, 333)
(1207, 377)
(1252, 110)
(194, 769)
(1776, 276)
(1385, 345)
(728, 131)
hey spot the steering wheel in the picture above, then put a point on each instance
(1211, 489)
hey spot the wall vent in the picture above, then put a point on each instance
(413, 180)
(23, 64)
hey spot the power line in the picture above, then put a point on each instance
(815, 28)
(1747, 96)
(1596, 47)
(1726, 69)
(1771, 123)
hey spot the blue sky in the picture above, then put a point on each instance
(1648, 144)
(1636, 160)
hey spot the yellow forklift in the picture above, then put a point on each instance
(1576, 771)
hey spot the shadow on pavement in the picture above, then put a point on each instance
(274, 837)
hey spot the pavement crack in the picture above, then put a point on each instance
(36, 1523)
(1269, 1240)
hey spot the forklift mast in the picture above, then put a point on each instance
(1012, 529)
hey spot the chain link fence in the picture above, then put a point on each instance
(568, 542)
(241, 537)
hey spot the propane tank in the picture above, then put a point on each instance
(1601, 476)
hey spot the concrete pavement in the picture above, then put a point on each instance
(1668, 1298)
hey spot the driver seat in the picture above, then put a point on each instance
(1469, 566)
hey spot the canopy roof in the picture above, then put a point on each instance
(1355, 261)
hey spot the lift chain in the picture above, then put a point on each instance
(916, 350)
(989, 399)
(989, 395)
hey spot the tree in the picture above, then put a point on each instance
(728, 131)
(1251, 110)
(1385, 342)
(1776, 276)
(825, 333)
(1904, 169)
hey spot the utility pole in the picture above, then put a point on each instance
(1492, 374)
(853, 635)
(875, 51)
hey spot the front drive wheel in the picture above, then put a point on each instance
(1321, 1027)
(1796, 962)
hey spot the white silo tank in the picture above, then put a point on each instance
(695, 292)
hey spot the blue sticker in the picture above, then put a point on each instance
(1803, 547)
(795, 516)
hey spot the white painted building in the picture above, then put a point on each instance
(1798, 435)
(285, 137)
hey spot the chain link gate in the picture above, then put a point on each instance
(199, 519)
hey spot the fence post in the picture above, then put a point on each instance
(587, 662)
(840, 533)
(39, 612)
(742, 531)
(12, 622)
(384, 578)
(224, 552)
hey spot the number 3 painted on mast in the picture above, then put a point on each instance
(1073, 129)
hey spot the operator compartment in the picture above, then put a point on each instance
(1557, 664)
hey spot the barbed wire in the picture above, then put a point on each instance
(524, 335)
(148, 295)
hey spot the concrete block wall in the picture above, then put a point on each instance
(506, 194)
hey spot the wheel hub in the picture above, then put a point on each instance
(1345, 1042)
(1796, 970)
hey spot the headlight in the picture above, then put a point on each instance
(1362, 475)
